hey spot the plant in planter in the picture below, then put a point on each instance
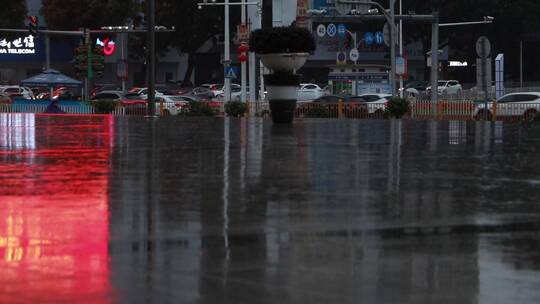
(235, 108)
(283, 50)
(198, 108)
(397, 107)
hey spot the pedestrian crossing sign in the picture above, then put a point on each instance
(231, 72)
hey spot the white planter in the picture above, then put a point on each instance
(285, 61)
(282, 92)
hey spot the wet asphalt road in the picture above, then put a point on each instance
(125, 210)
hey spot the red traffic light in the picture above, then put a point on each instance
(243, 48)
(243, 58)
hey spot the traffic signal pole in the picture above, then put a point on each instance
(89, 74)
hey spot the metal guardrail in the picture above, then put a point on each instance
(462, 110)
(458, 110)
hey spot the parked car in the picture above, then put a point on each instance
(236, 93)
(376, 103)
(417, 85)
(143, 93)
(174, 105)
(309, 92)
(447, 87)
(331, 99)
(525, 105)
(104, 87)
(235, 88)
(61, 93)
(17, 92)
(110, 95)
(203, 92)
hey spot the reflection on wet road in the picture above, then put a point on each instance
(125, 210)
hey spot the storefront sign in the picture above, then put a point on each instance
(18, 46)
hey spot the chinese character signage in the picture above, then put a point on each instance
(18, 46)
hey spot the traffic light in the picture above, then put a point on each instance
(242, 50)
(81, 60)
(33, 25)
(98, 61)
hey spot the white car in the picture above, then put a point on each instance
(447, 87)
(173, 105)
(309, 92)
(236, 94)
(525, 104)
(376, 103)
(236, 91)
(16, 91)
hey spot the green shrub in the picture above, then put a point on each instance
(235, 108)
(200, 108)
(104, 106)
(318, 112)
(288, 39)
(397, 107)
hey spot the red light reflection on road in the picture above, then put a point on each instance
(54, 224)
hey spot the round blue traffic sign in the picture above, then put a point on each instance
(331, 30)
(368, 38)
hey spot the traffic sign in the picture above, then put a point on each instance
(483, 47)
(368, 38)
(243, 32)
(321, 30)
(379, 38)
(342, 30)
(331, 30)
(354, 55)
(231, 72)
(341, 58)
(386, 34)
(401, 66)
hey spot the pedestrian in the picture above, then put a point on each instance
(54, 108)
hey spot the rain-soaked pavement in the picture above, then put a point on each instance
(126, 210)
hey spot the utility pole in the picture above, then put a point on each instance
(255, 22)
(401, 90)
(88, 78)
(392, 27)
(244, 64)
(434, 63)
(227, 57)
(151, 59)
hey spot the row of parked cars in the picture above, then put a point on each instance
(524, 105)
